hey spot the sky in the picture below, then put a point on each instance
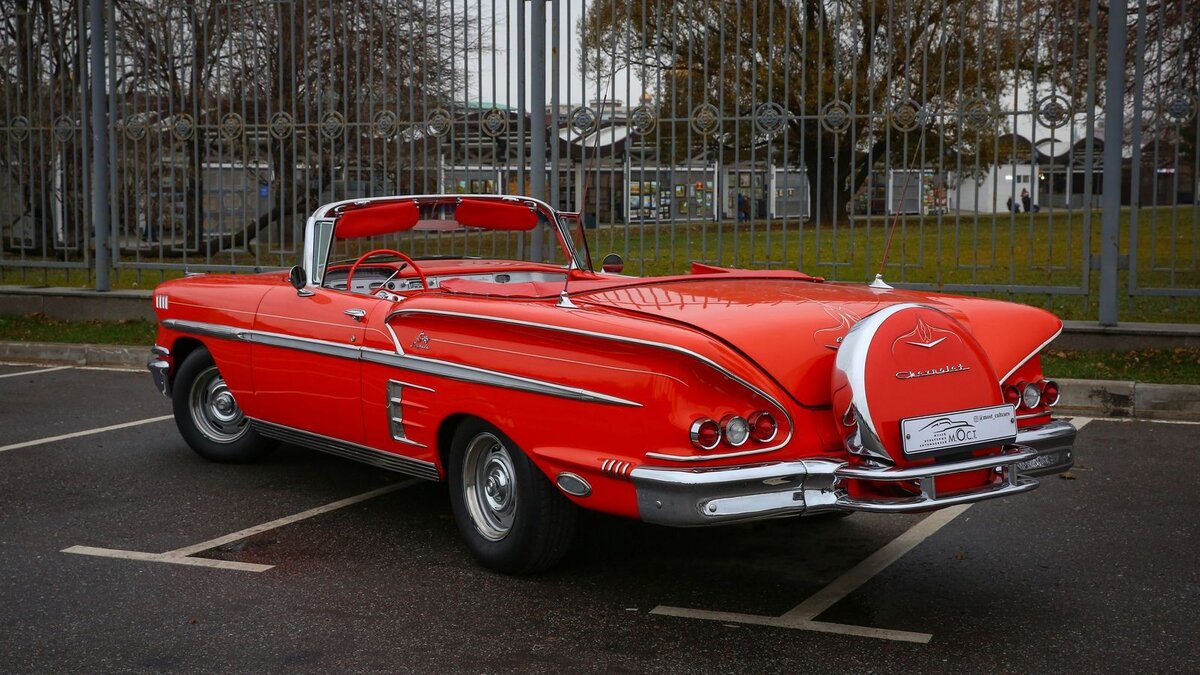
(498, 83)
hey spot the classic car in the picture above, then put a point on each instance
(537, 388)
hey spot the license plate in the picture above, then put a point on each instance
(960, 430)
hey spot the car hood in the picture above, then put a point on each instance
(792, 328)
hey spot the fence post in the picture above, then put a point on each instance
(1114, 139)
(537, 115)
(100, 169)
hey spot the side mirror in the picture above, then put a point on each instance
(298, 279)
(612, 264)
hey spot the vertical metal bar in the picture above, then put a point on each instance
(100, 219)
(555, 179)
(1135, 165)
(537, 105)
(1114, 120)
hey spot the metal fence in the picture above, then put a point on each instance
(1038, 149)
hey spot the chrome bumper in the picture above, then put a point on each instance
(160, 369)
(692, 497)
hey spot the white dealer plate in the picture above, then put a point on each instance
(959, 430)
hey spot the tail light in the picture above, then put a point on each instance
(705, 433)
(1050, 393)
(1031, 395)
(735, 429)
(763, 427)
(1012, 396)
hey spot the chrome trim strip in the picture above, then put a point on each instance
(420, 364)
(206, 329)
(465, 373)
(359, 453)
(702, 458)
(630, 340)
(160, 350)
(1031, 355)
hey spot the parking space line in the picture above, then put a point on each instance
(251, 531)
(801, 617)
(182, 556)
(35, 372)
(162, 557)
(89, 432)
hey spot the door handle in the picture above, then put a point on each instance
(356, 314)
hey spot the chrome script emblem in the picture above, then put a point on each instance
(420, 342)
(944, 370)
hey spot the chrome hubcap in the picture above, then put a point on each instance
(214, 410)
(489, 486)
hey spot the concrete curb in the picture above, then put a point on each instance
(1085, 398)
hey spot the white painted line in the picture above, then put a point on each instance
(874, 564)
(182, 556)
(159, 557)
(1080, 422)
(801, 617)
(89, 432)
(34, 372)
(780, 622)
(251, 531)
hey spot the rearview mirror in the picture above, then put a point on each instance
(298, 279)
(612, 264)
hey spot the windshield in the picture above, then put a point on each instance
(486, 227)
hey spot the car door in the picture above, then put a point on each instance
(305, 356)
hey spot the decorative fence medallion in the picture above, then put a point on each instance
(183, 127)
(907, 116)
(836, 116)
(438, 122)
(384, 124)
(18, 128)
(332, 124)
(642, 120)
(978, 114)
(494, 122)
(583, 119)
(706, 119)
(231, 126)
(64, 128)
(135, 127)
(770, 118)
(280, 125)
(1054, 112)
(1179, 107)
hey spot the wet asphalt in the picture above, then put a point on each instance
(1098, 572)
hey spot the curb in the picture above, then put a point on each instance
(1085, 398)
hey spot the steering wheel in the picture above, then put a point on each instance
(380, 251)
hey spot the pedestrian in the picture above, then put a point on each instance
(1010, 205)
(1026, 201)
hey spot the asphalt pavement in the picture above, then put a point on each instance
(1095, 571)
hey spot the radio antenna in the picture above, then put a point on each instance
(879, 282)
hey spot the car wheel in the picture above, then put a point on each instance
(208, 416)
(513, 519)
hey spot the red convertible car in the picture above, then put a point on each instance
(536, 388)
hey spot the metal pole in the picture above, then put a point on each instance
(555, 178)
(100, 221)
(522, 109)
(1114, 132)
(537, 107)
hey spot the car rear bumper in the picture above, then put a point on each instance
(693, 497)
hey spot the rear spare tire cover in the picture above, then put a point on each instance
(912, 361)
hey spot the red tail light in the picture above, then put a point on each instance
(763, 427)
(705, 433)
(1012, 396)
(1050, 392)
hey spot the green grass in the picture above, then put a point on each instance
(37, 328)
(1161, 366)
(997, 256)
